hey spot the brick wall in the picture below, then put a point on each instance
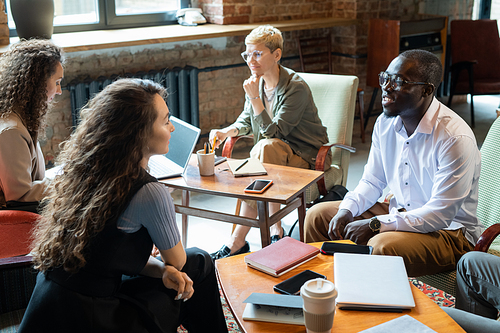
(221, 94)
(255, 11)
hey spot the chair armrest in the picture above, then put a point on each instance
(323, 152)
(321, 161)
(227, 150)
(14, 262)
(487, 237)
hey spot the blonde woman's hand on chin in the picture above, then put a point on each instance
(251, 86)
(179, 281)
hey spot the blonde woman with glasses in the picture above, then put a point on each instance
(280, 113)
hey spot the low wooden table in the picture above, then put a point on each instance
(238, 281)
(288, 189)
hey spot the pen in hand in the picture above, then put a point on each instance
(241, 165)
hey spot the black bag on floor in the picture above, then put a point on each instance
(336, 193)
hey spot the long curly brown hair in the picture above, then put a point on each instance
(101, 161)
(24, 71)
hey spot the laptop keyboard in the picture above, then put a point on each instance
(158, 169)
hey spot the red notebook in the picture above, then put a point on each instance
(281, 257)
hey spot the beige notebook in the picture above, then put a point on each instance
(247, 167)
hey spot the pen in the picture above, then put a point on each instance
(242, 164)
(205, 148)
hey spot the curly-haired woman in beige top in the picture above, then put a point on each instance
(30, 77)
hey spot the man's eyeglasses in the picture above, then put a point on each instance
(395, 82)
(255, 55)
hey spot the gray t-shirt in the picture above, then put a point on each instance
(152, 207)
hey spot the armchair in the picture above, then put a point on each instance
(488, 208)
(15, 232)
(335, 98)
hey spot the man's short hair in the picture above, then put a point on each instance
(428, 66)
(270, 36)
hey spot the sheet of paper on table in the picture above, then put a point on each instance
(404, 323)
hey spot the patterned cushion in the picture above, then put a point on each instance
(16, 286)
(445, 281)
(488, 208)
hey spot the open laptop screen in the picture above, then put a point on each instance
(182, 142)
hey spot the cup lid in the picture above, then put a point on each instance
(319, 288)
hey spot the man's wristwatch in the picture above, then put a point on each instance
(374, 225)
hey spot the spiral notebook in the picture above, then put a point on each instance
(247, 167)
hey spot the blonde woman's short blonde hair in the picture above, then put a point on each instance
(269, 35)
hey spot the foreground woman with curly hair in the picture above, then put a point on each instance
(103, 215)
(30, 77)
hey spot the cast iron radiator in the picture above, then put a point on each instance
(181, 84)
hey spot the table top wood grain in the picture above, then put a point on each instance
(288, 182)
(238, 281)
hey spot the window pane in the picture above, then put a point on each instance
(71, 12)
(134, 7)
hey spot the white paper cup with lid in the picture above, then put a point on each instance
(319, 305)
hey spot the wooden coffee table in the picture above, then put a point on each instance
(288, 189)
(238, 281)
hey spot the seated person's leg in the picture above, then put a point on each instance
(237, 243)
(478, 284)
(472, 323)
(275, 151)
(423, 254)
(33, 207)
(203, 311)
(318, 219)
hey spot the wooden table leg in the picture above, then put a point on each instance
(263, 211)
(302, 215)
(185, 203)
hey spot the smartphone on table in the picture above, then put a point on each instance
(258, 186)
(292, 285)
(331, 247)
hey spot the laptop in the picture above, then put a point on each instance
(371, 282)
(182, 143)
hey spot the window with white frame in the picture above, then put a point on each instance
(81, 15)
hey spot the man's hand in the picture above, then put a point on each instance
(177, 280)
(338, 224)
(359, 232)
(251, 86)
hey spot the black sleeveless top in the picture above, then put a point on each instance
(98, 298)
(110, 254)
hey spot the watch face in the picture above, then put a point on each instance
(375, 224)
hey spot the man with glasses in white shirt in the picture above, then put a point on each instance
(280, 113)
(428, 157)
